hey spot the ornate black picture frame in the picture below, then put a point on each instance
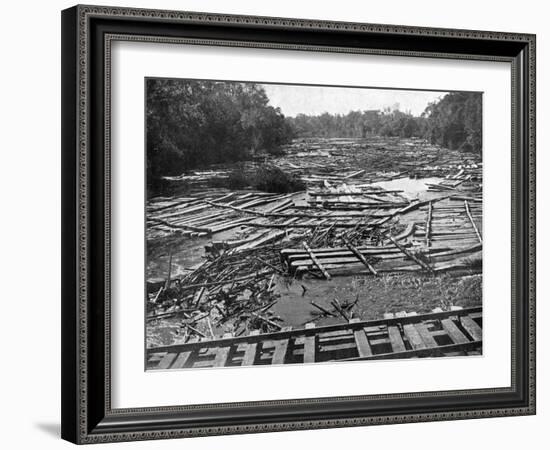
(87, 34)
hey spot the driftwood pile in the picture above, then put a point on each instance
(231, 291)
(344, 224)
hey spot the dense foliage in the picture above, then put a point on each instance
(357, 124)
(264, 177)
(191, 124)
(453, 122)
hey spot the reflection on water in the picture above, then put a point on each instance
(413, 188)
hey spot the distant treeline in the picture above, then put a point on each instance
(453, 122)
(192, 124)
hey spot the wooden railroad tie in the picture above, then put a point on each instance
(400, 335)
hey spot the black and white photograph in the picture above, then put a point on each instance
(291, 224)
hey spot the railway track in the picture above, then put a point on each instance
(444, 333)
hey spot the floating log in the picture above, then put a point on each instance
(467, 207)
(429, 224)
(316, 261)
(360, 257)
(410, 255)
(311, 225)
(181, 227)
(264, 239)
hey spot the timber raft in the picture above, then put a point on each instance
(444, 333)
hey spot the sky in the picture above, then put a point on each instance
(315, 100)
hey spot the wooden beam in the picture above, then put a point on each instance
(426, 352)
(411, 256)
(360, 257)
(181, 360)
(426, 336)
(284, 334)
(467, 207)
(279, 354)
(454, 332)
(471, 327)
(166, 362)
(250, 352)
(396, 340)
(413, 337)
(309, 346)
(316, 261)
(361, 341)
(429, 224)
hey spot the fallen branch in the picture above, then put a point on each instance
(411, 255)
(324, 310)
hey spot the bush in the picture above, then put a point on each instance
(265, 178)
(272, 179)
(237, 179)
(276, 151)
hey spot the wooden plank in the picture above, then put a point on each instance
(180, 361)
(336, 347)
(309, 225)
(426, 336)
(467, 207)
(413, 336)
(221, 357)
(410, 255)
(360, 257)
(453, 331)
(361, 341)
(431, 351)
(471, 327)
(279, 206)
(291, 257)
(364, 249)
(264, 239)
(316, 261)
(280, 352)
(309, 346)
(395, 339)
(250, 353)
(166, 362)
(373, 325)
(429, 224)
(223, 353)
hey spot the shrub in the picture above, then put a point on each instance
(272, 179)
(237, 179)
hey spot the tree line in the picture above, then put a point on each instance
(453, 122)
(193, 123)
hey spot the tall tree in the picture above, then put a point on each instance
(194, 123)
